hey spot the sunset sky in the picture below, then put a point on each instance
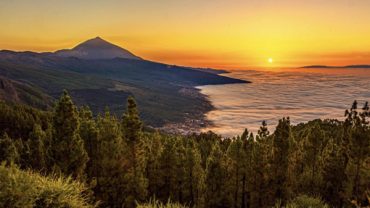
(234, 34)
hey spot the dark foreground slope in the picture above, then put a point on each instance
(165, 93)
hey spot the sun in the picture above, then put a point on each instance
(270, 60)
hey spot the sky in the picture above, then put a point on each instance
(229, 34)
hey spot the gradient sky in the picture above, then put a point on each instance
(234, 34)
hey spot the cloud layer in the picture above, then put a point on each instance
(301, 95)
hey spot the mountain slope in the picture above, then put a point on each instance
(165, 93)
(17, 92)
(96, 48)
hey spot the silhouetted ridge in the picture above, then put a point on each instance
(348, 66)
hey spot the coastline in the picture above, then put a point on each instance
(197, 120)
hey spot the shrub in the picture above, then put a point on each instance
(28, 189)
(157, 204)
(304, 201)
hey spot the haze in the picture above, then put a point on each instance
(227, 34)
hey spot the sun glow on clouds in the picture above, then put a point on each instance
(218, 33)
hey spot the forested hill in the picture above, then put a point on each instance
(114, 162)
(165, 93)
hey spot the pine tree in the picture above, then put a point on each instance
(188, 175)
(37, 149)
(22, 152)
(8, 150)
(89, 134)
(167, 168)
(313, 147)
(107, 166)
(136, 187)
(153, 151)
(249, 173)
(245, 134)
(67, 148)
(179, 187)
(237, 170)
(334, 176)
(196, 176)
(263, 132)
(260, 167)
(280, 159)
(216, 194)
(131, 123)
(359, 144)
(136, 182)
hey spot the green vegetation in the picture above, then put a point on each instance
(321, 163)
(66, 149)
(304, 201)
(29, 189)
(158, 204)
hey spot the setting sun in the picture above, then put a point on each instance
(270, 60)
(218, 34)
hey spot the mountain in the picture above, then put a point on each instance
(97, 48)
(347, 67)
(315, 66)
(166, 94)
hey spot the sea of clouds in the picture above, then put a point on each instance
(302, 95)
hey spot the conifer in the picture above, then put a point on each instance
(280, 159)
(8, 150)
(67, 149)
(37, 149)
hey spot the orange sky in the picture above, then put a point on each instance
(234, 34)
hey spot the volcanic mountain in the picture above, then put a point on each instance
(97, 48)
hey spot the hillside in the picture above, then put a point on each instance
(165, 93)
